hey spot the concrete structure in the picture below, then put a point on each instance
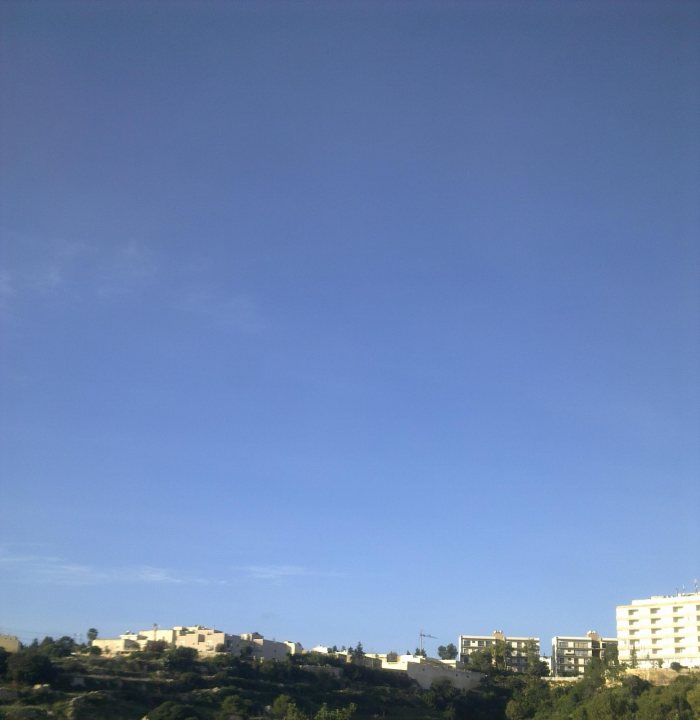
(258, 647)
(571, 654)
(125, 643)
(657, 631)
(426, 671)
(516, 647)
(202, 639)
(10, 643)
(206, 641)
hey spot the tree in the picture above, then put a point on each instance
(693, 698)
(609, 705)
(63, 647)
(157, 647)
(481, 661)
(527, 700)
(246, 651)
(172, 711)
(28, 667)
(180, 659)
(4, 655)
(500, 651)
(293, 713)
(92, 635)
(235, 707)
(611, 661)
(534, 667)
(420, 652)
(594, 672)
(358, 651)
(284, 708)
(447, 652)
(633, 657)
(342, 714)
(280, 706)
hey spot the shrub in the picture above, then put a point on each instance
(29, 667)
(172, 711)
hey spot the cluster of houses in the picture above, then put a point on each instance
(206, 641)
(570, 654)
(660, 631)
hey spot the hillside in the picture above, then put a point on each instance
(175, 685)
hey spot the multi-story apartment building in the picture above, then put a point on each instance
(660, 630)
(570, 654)
(516, 648)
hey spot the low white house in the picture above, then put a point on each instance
(425, 671)
(260, 648)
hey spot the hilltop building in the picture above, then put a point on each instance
(659, 630)
(425, 671)
(10, 643)
(571, 654)
(261, 649)
(516, 648)
(206, 641)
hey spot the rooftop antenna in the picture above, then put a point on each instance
(422, 635)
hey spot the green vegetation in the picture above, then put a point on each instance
(447, 652)
(42, 681)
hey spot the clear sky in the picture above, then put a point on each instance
(340, 320)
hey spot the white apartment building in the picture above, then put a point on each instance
(660, 630)
(516, 647)
(571, 654)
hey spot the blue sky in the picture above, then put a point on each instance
(337, 321)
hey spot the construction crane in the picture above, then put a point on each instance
(422, 635)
